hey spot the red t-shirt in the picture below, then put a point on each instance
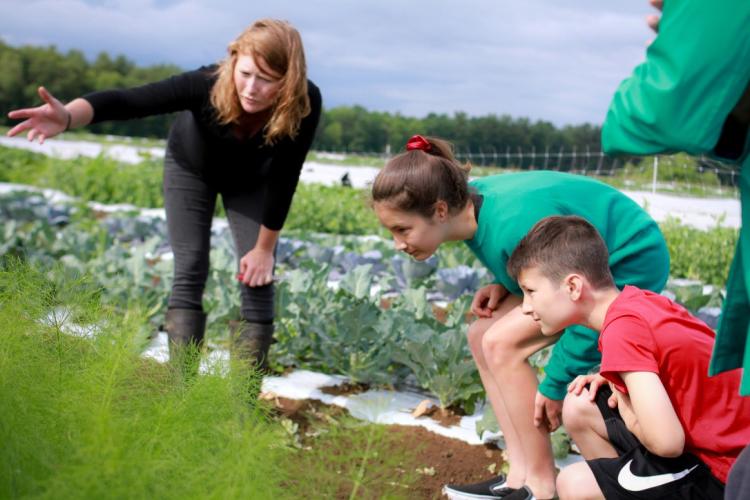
(647, 332)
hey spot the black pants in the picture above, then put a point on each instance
(189, 200)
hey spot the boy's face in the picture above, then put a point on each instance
(412, 233)
(548, 303)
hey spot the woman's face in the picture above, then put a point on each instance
(412, 233)
(257, 85)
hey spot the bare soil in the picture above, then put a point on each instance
(345, 389)
(434, 460)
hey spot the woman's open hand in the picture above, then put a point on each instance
(42, 122)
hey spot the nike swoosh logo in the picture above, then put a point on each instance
(631, 482)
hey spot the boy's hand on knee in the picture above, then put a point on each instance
(593, 380)
(547, 412)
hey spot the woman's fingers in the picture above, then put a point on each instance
(18, 128)
(19, 114)
(46, 96)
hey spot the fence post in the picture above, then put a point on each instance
(656, 173)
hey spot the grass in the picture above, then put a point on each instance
(89, 418)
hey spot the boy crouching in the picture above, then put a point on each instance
(651, 424)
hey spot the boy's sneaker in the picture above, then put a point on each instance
(492, 488)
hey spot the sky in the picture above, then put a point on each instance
(553, 60)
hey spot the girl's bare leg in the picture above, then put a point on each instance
(513, 448)
(506, 346)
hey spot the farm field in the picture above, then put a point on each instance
(94, 258)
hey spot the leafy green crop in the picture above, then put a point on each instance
(339, 331)
(702, 255)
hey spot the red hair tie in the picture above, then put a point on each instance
(418, 142)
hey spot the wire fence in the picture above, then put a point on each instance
(679, 173)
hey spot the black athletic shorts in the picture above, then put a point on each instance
(638, 473)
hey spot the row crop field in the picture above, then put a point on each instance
(347, 303)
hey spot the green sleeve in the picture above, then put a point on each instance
(576, 353)
(695, 71)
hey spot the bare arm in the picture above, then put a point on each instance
(51, 118)
(647, 402)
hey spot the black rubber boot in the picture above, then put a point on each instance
(185, 329)
(250, 344)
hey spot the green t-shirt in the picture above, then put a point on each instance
(513, 203)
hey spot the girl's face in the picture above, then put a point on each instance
(257, 85)
(412, 233)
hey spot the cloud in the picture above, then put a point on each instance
(548, 59)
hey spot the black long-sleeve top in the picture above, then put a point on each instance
(197, 142)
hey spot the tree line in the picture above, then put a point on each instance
(343, 128)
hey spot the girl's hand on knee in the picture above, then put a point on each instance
(487, 299)
(547, 412)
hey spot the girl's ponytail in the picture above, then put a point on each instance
(427, 172)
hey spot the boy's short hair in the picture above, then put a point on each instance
(559, 245)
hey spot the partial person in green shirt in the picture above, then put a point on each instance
(424, 199)
(692, 94)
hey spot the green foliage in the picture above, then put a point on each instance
(88, 418)
(332, 209)
(323, 209)
(344, 128)
(69, 76)
(560, 443)
(691, 294)
(338, 331)
(84, 416)
(698, 254)
(344, 331)
(319, 208)
(353, 128)
(678, 173)
(98, 179)
(440, 359)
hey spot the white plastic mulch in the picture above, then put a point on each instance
(377, 406)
